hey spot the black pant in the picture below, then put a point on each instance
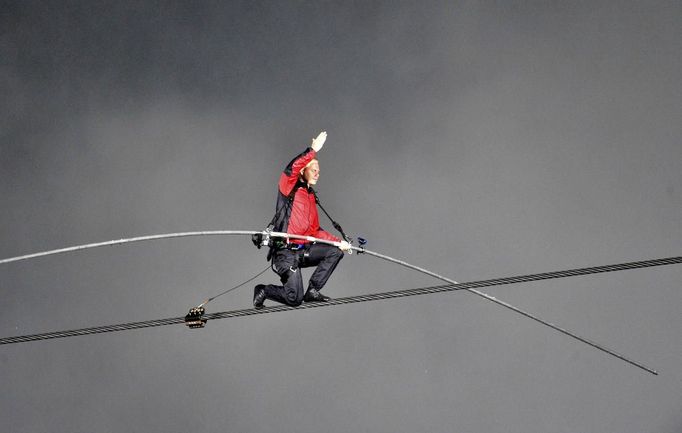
(288, 264)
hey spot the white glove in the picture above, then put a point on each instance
(345, 247)
(319, 141)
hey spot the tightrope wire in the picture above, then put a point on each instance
(371, 297)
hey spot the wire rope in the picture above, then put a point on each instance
(374, 297)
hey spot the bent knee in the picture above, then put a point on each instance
(293, 299)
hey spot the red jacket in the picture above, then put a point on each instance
(300, 215)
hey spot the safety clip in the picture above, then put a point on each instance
(195, 319)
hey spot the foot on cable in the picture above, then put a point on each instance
(312, 295)
(258, 296)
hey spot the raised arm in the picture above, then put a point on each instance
(292, 171)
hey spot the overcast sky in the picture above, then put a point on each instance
(478, 139)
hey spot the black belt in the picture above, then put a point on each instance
(295, 247)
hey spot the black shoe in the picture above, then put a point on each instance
(258, 296)
(312, 295)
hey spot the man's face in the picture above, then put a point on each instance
(312, 172)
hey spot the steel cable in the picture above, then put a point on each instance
(470, 287)
(371, 297)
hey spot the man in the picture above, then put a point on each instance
(297, 215)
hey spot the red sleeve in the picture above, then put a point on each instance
(321, 234)
(289, 176)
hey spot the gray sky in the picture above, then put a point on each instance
(476, 139)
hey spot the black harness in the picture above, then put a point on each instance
(276, 223)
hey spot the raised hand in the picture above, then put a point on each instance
(319, 141)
